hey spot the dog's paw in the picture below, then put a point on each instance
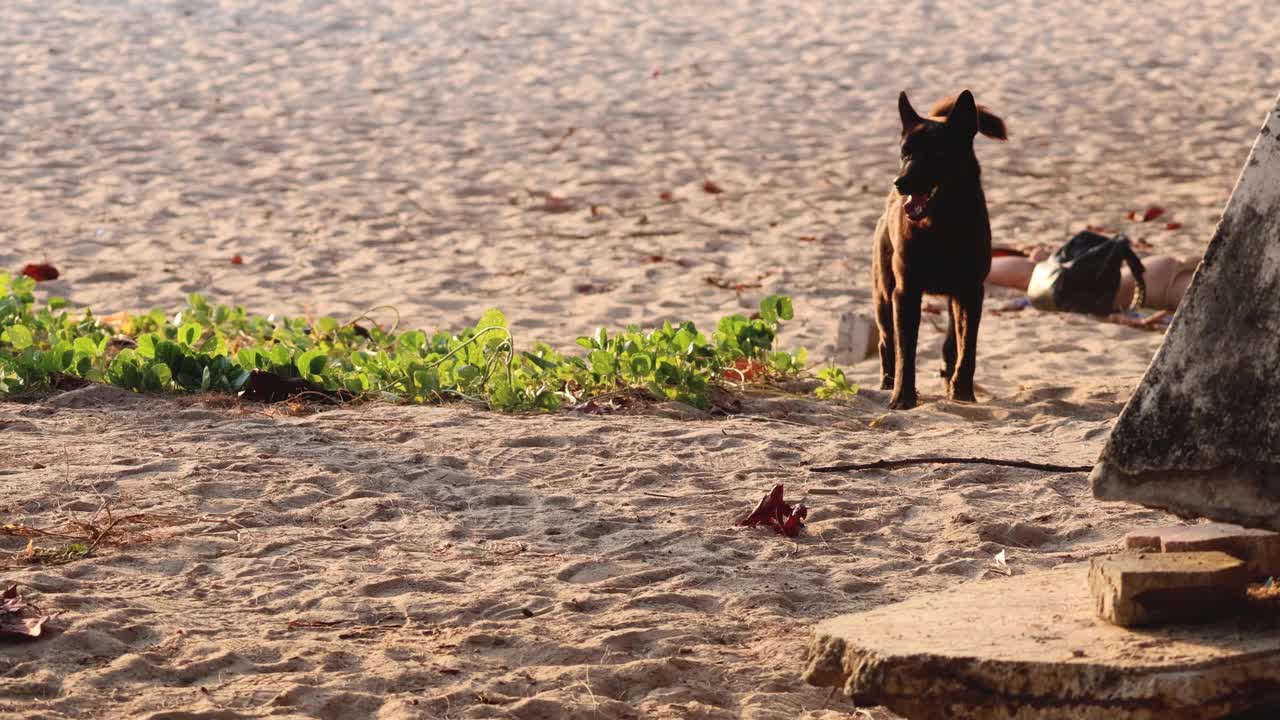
(962, 395)
(902, 401)
(886, 384)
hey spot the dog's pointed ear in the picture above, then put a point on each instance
(910, 118)
(963, 117)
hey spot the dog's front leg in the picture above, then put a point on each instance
(906, 330)
(967, 311)
(884, 321)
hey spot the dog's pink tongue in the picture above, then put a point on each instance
(914, 206)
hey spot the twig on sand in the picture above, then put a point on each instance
(665, 496)
(943, 460)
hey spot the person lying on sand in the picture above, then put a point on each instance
(1166, 278)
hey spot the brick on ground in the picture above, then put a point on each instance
(1147, 588)
(1259, 549)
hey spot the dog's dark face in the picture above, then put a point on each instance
(936, 154)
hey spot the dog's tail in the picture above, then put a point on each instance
(989, 123)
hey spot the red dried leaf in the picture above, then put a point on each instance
(723, 284)
(767, 509)
(553, 204)
(712, 188)
(595, 211)
(591, 288)
(1172, 226)
(1132, 216)
(656, 258)
(807, 238)
(656, 73)
(794, 523)
(745, 370)
(666, 196)
(1152, 213)
(237, 260)
(40, 272)
(773, 511)
(14, 621)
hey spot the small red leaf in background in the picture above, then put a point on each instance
(1172, 226)
(595, 211)
(16, 616)
(40, 272)
(591, 288)
(656, 72)
(712, 188)
(1152, 213)
(745, 370)
(1132, 216)
(555, 204)
(237, 260)
(663, 258)
(777, 513)
(665, 196)
(724, 284)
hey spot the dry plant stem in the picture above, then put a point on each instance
(942, 460)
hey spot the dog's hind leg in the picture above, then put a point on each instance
(949, 348)
(967, 310)
(884, 321)
(906, 332)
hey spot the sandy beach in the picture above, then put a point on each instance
(552, 160)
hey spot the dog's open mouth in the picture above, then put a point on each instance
(917, 206)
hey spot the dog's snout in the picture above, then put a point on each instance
(900, 183)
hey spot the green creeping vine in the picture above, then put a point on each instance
(213, 349)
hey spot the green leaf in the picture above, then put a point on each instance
(147, 345)
(468, 373)
(327, 325)
(785, 311)
(602, 363)
(312, 363)
(238, 381)
(279, 355)
(189, 333)
(641, 365)
(542, 363)
(18, 336)
(157, 377)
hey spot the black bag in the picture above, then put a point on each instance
(1084, 275)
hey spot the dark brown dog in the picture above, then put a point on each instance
(934, 238)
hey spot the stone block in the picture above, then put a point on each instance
(1147, 588)
(857, 338)
(1029, 647)
(1259, 549)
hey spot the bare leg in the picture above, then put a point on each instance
(1011, 272)
(1166, 279)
